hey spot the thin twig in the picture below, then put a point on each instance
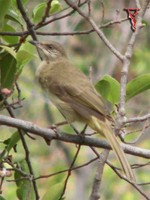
(59, 17)
(135, 166)
(95, 194)
(106, 25)
(69, 172)
(103, 10)
(46, 14)
(137, 119)
(138, 4)
(66, 170)
(30, 25)
(97, 30)
(27, 153)
(50, 134)
(124, 73)
(132, 183)
(89, 7)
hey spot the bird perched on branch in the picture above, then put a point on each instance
(75, 97)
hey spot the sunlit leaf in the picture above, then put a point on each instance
(12, 141)
(9, 50)
(2, 198)
(10, 39)
(39, 10)
(24, 55)
(4, 6)
(109, 88)
(54, 192)
(7, 68)
(23, 2)
(144, 23)
(13, 16)
(24, 187)
(137, 85)
(55, 6)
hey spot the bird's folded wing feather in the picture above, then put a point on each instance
(86, 103)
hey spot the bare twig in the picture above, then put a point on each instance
(46, 14)
(89, 7)
(141, 132)
(52, 135)
(59, 16)
(147, 183)
(137, 119)
(96, 28)
(124, 73)
(138, 4)
(136, 186)
(106, 25)
(21, 133)
(95, 194)
(30, 25)
(103, 10)
(66, 170)
(69, 172)
(135, 166)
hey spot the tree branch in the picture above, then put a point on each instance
(30, 25)
(126, 63)
(137, 119)
(85, 32)
(96, 28)
(50, 134)
(95, 194)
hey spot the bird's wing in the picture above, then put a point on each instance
(84, 100)
(77, 90)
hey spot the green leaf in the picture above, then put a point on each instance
(4, 6)
(10, 39)
(2, 155)
(24, 55)
(23, 2)
(55, 7)
(9, 50)
(144, 23)
(137, 85)
(109, 88)
(55, 185)
(24, 187)
(13, 16)
(39, 10)
(7, 68)
(12, 141)
(54, 192)
(2, 198)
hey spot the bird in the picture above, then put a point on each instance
(71, 91)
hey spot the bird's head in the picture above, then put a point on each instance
(50, 50)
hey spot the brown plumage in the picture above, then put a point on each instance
(75, 97)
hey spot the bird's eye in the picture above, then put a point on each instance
(50, 47)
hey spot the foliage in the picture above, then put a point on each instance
(16, 66)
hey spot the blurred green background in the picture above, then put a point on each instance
(90, 54)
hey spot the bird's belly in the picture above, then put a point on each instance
(65, 109)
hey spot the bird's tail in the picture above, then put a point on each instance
(104, 129)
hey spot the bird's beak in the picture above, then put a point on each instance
(34, 42)
(37, 44)
(40, 48)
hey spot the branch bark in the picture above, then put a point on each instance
(50, 134)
